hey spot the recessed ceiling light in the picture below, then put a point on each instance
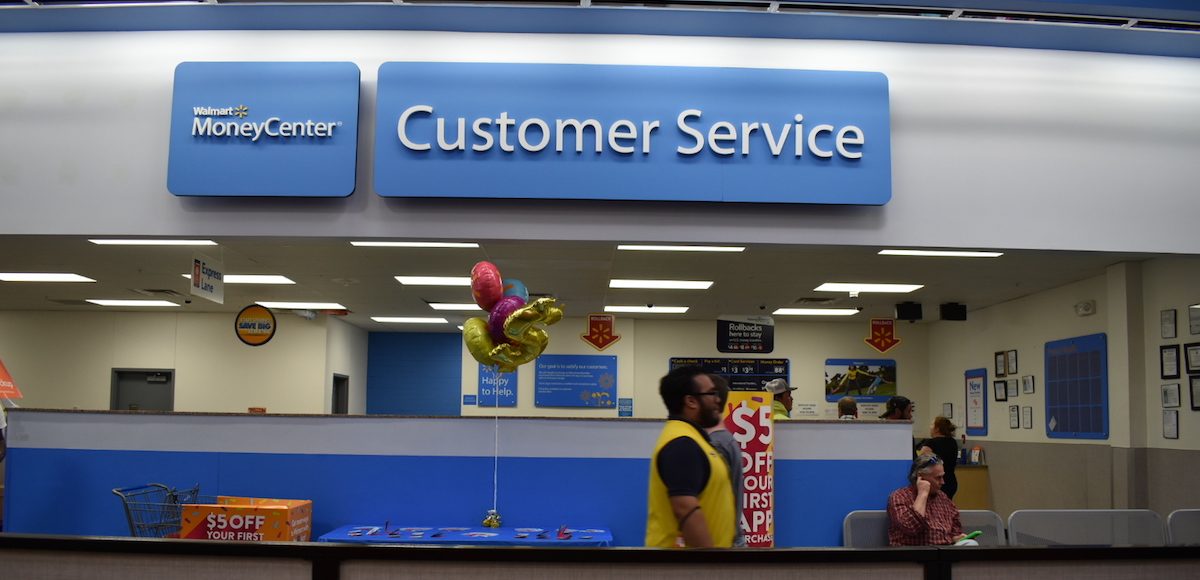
(409, 320)
(42, 277)
(434, 280)
(302, 305)
(662, 284)
(132, 303)
(816, 311)
(450, 306)
(648, 309)
(252, 279)
(854, 287)
(635, 247)
(415, 244)
(104, 242)
(941, 253)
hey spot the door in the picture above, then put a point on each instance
(341, 394)
(143, 390)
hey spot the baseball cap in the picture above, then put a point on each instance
(778, 386)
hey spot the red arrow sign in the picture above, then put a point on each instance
(600, 331)
(8, 388)
(883, 334)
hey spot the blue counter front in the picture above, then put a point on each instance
(540, 537)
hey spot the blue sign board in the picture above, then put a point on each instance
(555, 131)
(868, 380)
(624, 407)
(277, 129)
(497, 389)
(563, 380)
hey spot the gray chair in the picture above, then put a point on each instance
(1183, 528)
(986, 521)
(1085, 528)
(865, 529)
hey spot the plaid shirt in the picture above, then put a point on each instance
(938, 527)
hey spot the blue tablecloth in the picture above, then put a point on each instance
(545, 537)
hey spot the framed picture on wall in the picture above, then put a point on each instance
(1194, 384)
(1170, 396)
(1168, 361)
(1027, 385)
(1001, 389)
(1191, 356)
(1001, 366)
(1014, 417)
(1167, 322)
(1194, 318)
(948, 410)
(1014, 389)
(1170, 424)
(1010, 359)
(1027, 417)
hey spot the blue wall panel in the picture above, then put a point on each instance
(414, 373)
(57, 491)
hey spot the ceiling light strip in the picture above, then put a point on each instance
(661, 284)
(301, 305)
(941, 253)
(42, 277)
(409, 320)
(857, 287)
(816, 311)
(114, 242)
(647, 309)
(370, 244)
(648, 248)
(434, 280)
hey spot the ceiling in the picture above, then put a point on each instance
(758, 280)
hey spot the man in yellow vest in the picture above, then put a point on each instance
(690, 502)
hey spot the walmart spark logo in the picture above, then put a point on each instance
(241, 111)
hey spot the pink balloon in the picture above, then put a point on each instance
(500, 312)
(486, 285)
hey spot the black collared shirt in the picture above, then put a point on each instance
(682, 465)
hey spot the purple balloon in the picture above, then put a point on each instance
(500, 312)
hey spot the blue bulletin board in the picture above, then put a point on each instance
(497, 389)
(575, 380)
(1077, 388)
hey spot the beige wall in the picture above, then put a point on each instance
(65, 359)
(346, 354)
(646, 346)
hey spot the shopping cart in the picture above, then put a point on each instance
(154, 510)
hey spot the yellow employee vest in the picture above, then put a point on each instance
(716, 500)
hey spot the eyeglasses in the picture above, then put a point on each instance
(928, 460)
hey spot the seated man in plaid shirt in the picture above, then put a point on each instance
(920, 514)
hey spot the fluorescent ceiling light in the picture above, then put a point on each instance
(414, 244)
(450, 306)
(662, 284)
(853, 287)
(409, 320)
(816, 311)
(681, 248)
(132, 303)
(941, 253)
(648, 309)
(102, 242)
(460, 327)
(252, 279)
(302, 305)
(42, 277)
(434, 280)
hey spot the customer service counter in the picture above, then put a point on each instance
(422, 471)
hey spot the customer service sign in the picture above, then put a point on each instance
(264, 129)
(632, 133)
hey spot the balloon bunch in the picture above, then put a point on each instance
(512, 333)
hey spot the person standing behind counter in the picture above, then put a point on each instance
(781, 406)
(941, 443)
(690, 500)
(724, 442)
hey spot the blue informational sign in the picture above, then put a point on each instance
(278, 129)
(624, 407)
(497, 389)
(564, 380)
(553, 131)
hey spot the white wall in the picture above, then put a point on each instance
(346, 354)
(992, 147)
(645, 347)
(65, 359)
(1025, 325)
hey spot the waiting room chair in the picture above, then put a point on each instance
(865, 529)
(1085, 528)
(1183, 528)
(988, 522)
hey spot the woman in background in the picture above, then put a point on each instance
(941, 443)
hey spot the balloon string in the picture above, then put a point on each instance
(496, 462)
